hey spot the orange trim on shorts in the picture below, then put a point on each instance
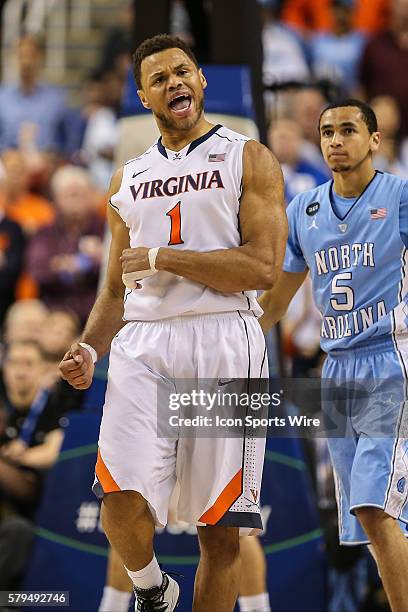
(104, 476)
(224, 501)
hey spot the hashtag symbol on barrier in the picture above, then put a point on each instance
(88, 517)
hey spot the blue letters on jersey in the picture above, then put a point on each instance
(358, 262)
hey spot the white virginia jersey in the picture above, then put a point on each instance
(184, 200)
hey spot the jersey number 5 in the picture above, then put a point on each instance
(175, 227)
(346, 302)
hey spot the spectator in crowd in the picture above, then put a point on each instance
(54, 332)
(301, 334)
(390, 157)
(25, 320)
(11, 260)
(307, 15)
(336, 55)
(64, 258)
(24, 372)
(22, 463)
(59, 332)
(100, 131)
(307, 104)
(119, 42)
(384, 64)
(41, 165)
(284, 59)
(32, 102)
(30, 440)
(114, 86)
(28, 209)
(312, 16)
(285, 140)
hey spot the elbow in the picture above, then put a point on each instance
(273, 311)
(270, 275)
(268, 283)
(279, 314)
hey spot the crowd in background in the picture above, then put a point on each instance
(314, 51)
(55, 165)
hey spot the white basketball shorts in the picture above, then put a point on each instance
(219, 478)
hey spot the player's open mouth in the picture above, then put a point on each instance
(181, 105)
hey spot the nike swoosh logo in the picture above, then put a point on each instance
(137, 173)
(222, 383)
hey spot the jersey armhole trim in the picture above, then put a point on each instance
(403, 184)
(113, 205)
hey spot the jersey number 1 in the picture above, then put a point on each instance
(175, 227)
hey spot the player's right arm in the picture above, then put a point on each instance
(105, 319)
(275, 302)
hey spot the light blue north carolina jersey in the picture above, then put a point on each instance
(358, 263)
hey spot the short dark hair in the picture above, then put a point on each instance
(369, 116)
(158, 43)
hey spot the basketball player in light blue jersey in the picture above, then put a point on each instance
(351, 234)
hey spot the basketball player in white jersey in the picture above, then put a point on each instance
(198, 225)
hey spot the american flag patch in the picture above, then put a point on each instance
(378, 213)
(216, 157)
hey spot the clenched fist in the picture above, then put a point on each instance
(136, 265)
(135, 259)
(77, 367)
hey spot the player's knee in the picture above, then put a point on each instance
(219, 543)
(120, 504)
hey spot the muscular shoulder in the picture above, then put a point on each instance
(260, 165)
(116, 182)
(226, 134)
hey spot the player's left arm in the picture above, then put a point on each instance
(255, 264)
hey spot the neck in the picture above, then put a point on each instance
(351, 184)
(73, 225)
(28, 84)
(21, 398)
(176, 139)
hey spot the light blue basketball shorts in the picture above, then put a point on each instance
(367, 416)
